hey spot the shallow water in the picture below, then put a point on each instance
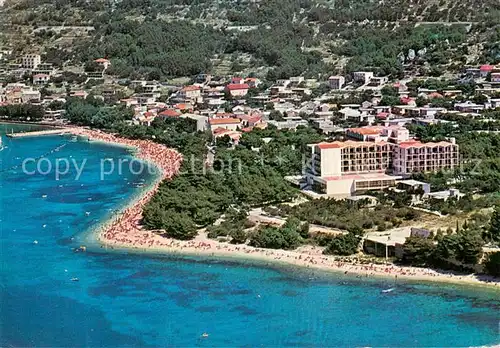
(132, 300)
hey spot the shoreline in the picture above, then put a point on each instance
(307, 258)
(123, 231)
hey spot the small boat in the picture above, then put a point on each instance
(80, 249)
(44, 196)
(74, 279)
(387, 290)
(87, 213)
(205, 335)
(35, 242)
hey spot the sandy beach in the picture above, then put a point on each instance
(125, 231)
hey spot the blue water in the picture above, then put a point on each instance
(131, 300)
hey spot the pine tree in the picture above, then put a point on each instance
(494, 229)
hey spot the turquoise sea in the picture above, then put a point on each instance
(126, 299)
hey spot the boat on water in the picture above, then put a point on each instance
(74, 279)
(387, 290)
(80, 249)
(205, 335)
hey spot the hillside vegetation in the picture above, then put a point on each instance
(170, 38)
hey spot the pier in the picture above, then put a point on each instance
(39, 133)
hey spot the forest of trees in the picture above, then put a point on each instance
(460, 250)
(157, 39)
(346, 215)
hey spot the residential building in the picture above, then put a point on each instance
(169, 113)
(105, 63)
(414, 185)
(95, 74)
(44, 68)
(54, 114)
(336, 82)
(189, 92)
(237, 89)
(232, 134)
(252, 82)
(494, 103)
(290, 122)
(79, 94)
(495, 77)
(230, 123)
(378, 81)
(469, 107)
(30, 95)
(484, 70)
(362, 76)
(41, 79)
(31, 61)
(201, 121)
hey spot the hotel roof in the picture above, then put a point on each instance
(362, 177)
(348, 143)
(416, 143)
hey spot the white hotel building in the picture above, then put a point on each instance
(343, 168)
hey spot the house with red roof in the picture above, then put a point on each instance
(434, 95)
(189, 92)
(252, 82)
(78, 94)
(225, 123)
(408, 101)
(222, 132)
(237, 89)
(105, 63)
(484, 70)
(169, 113)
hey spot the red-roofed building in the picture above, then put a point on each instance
(105, 63)
(183, 107)
(484, 70)
(225, 123)
(169, 113)
(252, 82)
(79, 94)
(189, 92)
(237, 90)
(434, 95)
(222, 132)
(408, 101)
